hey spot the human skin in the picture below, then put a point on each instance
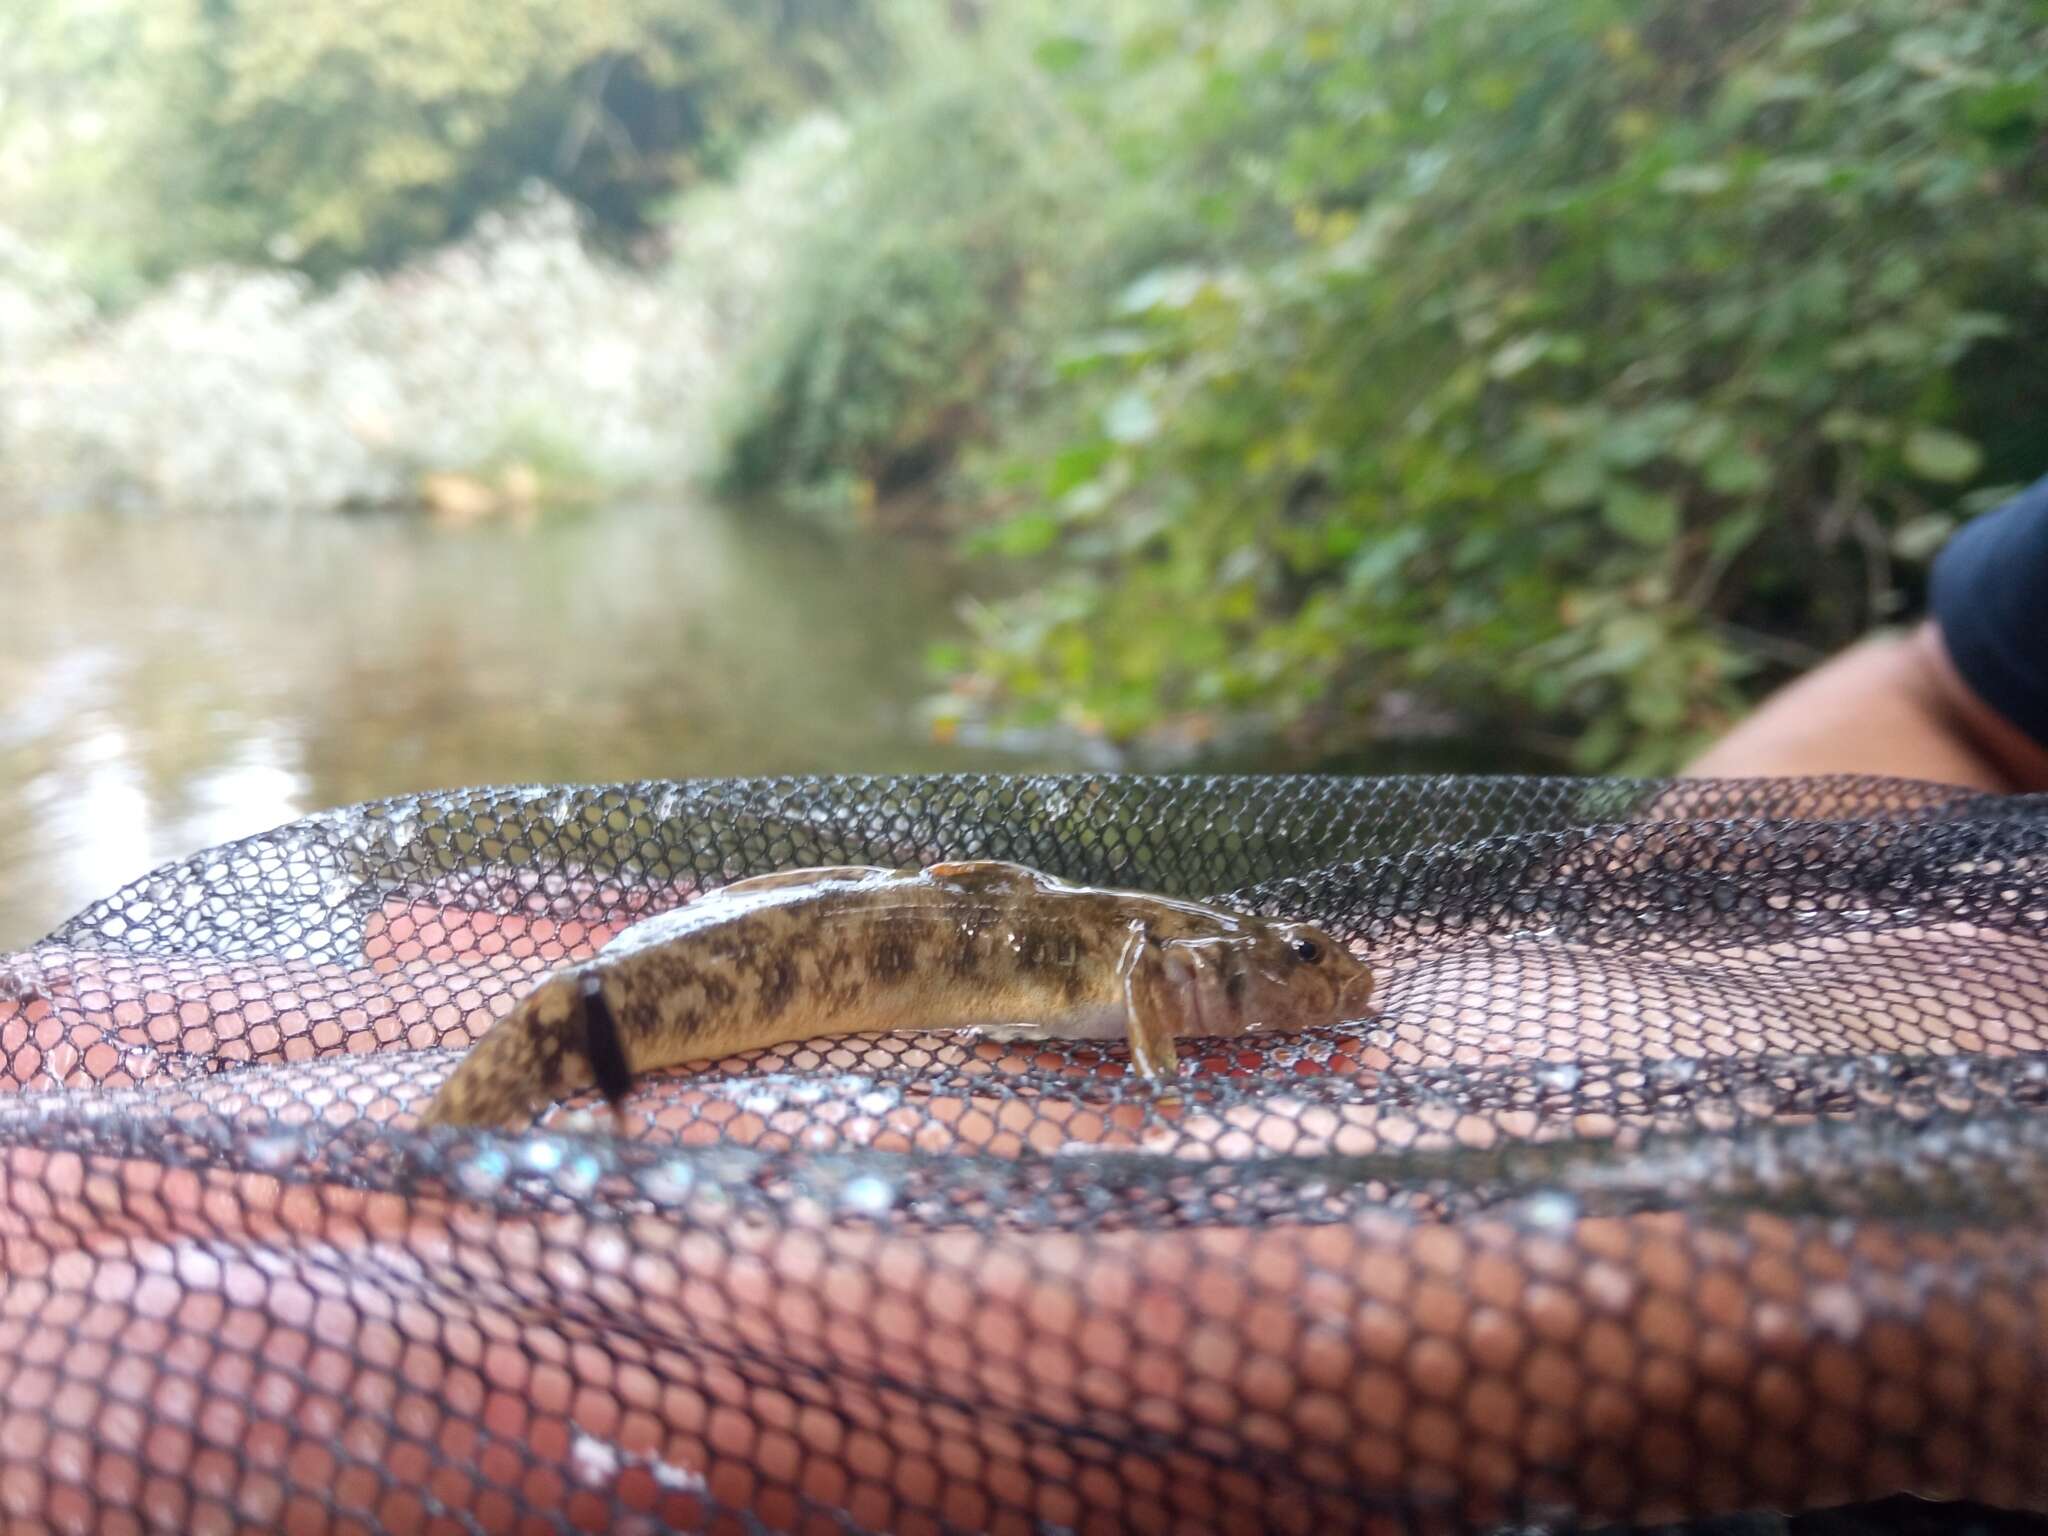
(1891, 706)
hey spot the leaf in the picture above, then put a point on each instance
(1571, 482)
(1639, 436)
(1734, 533)
(1075, 466)
(1381, 559)
(1599, 743)
(1695, 180)
(1519, 355)
(1985, 497)
(1627, 641)
(1935, 454)
(2007, 106)
(1846, 426)
(1656, 701)
(1064, 54)
(1735, 471)
(1031, 534)
(1130, 418)
(1635, 260)
(1099, 351)
(1164, 288)
(1918, 539)
(1649, 518)
(1702, 440)
(1796, 173)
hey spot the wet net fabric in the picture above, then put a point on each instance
(1694, 1162)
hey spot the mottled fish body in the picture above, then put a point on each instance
(852, 951)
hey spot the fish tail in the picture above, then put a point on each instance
(513, 1070)
(482, 1091)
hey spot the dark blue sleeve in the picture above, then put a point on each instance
(1989, 594)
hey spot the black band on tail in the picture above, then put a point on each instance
(601, 1043)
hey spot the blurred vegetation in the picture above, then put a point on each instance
(1596, 341)
(970, 232)
(1582, 364)
(331, 137)
(1579, 367)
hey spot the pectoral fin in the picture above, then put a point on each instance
(1152, 1000)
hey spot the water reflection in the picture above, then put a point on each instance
(165, 685)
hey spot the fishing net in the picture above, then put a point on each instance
(1693, 1163)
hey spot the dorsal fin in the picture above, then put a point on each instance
(788, 877)
(986, 875)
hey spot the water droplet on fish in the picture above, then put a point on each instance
(667, 1181)
(606, 1249)
(868, 1196)
(761, 1103)
(579, 1175)
(1838, 1310)
(878, 1101)
(401, 826)
(1563, 1076)
(1608, 1287)
(596, 1461)
(197, 1268)
(273, 1151)
(1551, 1211)
(671, 1476)
(543, 1156)
(59, 1062)
(484, 1174)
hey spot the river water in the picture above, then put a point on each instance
(169, 684)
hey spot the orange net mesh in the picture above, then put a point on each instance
(1694, 1164)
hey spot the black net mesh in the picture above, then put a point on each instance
(1694, 1164)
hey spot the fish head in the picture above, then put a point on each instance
(1261, 974)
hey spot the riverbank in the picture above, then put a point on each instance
(518, 356)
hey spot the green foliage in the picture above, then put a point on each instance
(1545, 353)
(981, 209)
(882, 345)
(333, 136)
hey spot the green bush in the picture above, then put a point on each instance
(332, 136)
(881, 349)
(1549, 355)
(983, 208)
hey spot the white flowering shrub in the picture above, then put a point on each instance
(245, 389)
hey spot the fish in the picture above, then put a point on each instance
(851, 950)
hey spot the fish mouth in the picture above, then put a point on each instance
(1354, 998)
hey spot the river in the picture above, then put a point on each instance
(169, 684)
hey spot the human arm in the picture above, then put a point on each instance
(1962, 699)
(1893, 705)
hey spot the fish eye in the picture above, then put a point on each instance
(1306, 949)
